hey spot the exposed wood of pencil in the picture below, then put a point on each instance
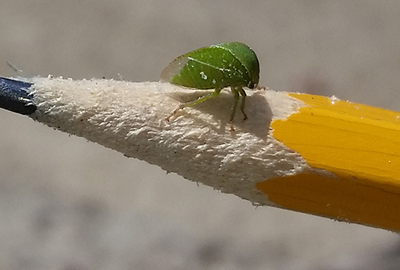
(307, 153)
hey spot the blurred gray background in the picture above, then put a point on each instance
(71, 205)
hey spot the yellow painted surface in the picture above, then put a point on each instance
(359, 145)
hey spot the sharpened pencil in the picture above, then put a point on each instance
(307, 153)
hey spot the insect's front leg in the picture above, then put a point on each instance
(235, 94)
(236, 91)
(243, 94)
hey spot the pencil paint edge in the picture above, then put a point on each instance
(357, 145)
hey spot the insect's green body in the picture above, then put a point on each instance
(231, 64)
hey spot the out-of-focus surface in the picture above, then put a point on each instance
(69, 204)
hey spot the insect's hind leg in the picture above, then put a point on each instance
(192, 103)
(202, 98)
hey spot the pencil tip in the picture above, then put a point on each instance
(16, 96)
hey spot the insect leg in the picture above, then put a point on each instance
(235, 94)
(243, 94)
(203, 98)
(192, 103)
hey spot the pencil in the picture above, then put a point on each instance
(312, 154)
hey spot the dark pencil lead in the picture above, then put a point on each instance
(15, 96)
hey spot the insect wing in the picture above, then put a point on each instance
(247, 58)
(218, 66)
(174, 68)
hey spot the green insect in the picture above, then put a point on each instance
(221, 65)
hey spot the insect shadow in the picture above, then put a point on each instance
(257, 110)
